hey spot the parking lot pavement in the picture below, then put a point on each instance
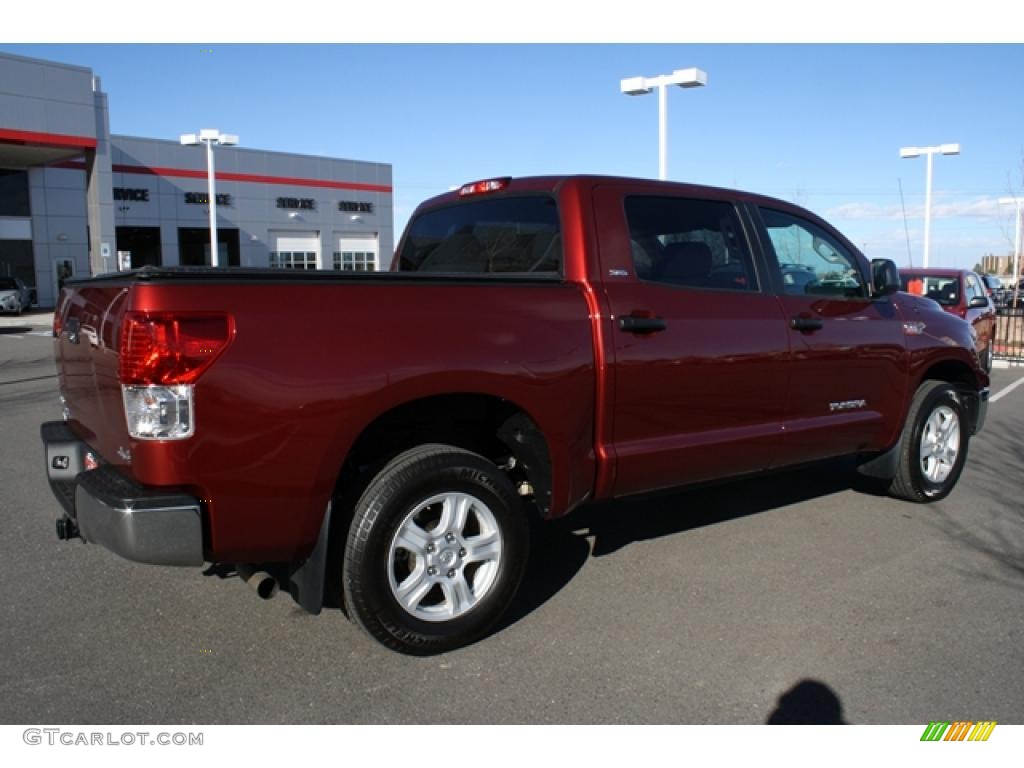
(731, 604)
(33, 319)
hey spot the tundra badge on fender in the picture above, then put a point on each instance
(847, 405)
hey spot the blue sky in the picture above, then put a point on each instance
(819, 125)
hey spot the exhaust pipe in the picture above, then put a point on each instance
(266, 586)
(66, 529)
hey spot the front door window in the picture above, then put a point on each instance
(812, 261)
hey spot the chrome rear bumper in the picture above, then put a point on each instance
(141, 524)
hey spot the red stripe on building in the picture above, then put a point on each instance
(35, 138)
(251, 178)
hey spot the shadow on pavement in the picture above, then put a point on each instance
(809, 702)
(990, 521)
(561, 548)
(614, 525)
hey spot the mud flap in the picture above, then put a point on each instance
(306, 583)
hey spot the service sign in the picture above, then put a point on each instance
(355, 206)
(297, 203)
(131, 195)
(202, 198)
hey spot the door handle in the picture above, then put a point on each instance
(638, 324)
(806, 324)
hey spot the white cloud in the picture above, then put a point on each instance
(977, 208)
(980, 208)
(865, 211)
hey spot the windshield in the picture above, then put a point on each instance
(8, 284)
(943, 289)
(498, 235)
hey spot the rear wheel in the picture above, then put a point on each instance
(934, 446)
(436, 550)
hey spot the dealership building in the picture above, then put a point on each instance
(76, 200)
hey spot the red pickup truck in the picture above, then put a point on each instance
(539, 344)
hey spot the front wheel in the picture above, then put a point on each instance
(934, 447)
(436, 550)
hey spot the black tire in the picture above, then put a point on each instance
(987, 359)
(932, 479)
(470, 579)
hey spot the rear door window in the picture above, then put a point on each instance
(691, 243)
(510, 235)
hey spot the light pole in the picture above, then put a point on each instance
(638, 86)
(929, 152)
(1018, 202)
(209, 137)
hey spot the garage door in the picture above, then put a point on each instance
(294, 250)
(356, 253)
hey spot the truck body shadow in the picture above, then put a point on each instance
(561, 548)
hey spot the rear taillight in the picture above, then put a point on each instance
(161, 356)
(170, 349)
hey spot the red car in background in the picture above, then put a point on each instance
(960, 292)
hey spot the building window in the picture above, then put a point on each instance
(14, 193)
(293, 259)
(16, 260)
(355, 261)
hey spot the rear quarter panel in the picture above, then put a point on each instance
(312, 365)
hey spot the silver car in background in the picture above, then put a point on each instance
(15, 296)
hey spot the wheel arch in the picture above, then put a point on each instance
(950, 371)
(966, 381)
(492, 426)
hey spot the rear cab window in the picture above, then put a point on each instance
(505, 235)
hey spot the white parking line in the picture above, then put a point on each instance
(1006, 391)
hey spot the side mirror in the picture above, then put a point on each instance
(978, 302)
(885, 276)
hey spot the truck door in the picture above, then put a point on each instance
(848, 371)
(699, 344)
